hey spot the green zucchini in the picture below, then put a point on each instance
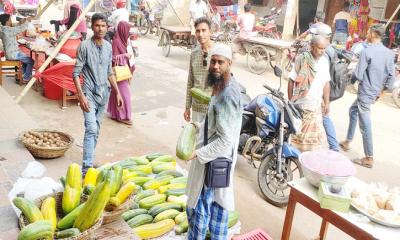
(144, 194)
(186, 142)
(154, 211)
(167, 214)
(153, 156)
(67, 233)
(179, 180)
(42, 229)
(170, 172)
(140, 220)
(200, 95)
(133, 213)
(175, 192)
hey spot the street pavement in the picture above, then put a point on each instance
(158, 98)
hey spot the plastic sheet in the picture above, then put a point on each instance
(61, 75)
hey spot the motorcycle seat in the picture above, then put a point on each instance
(260, 122)
(248, 113)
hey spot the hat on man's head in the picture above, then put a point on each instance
(222, 50)
(321, 29)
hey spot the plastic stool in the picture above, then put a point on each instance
(257, 234)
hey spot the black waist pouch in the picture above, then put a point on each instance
(218, 170)
(218, 173)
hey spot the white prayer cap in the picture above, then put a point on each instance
(321, 29)
(222, 50)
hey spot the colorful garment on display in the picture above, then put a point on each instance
(363, 12)
(7, 7)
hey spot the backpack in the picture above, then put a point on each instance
(339, 79)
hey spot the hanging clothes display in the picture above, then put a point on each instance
(363, 12)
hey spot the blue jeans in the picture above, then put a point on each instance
(360, 110)
(340, 38)
(93, 120)
(27, 65)
(330, 133)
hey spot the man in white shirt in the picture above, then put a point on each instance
(341, 23)
(309, 89)
(246, 22)
(198, 9)
(119, 14)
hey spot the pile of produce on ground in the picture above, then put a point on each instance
(152, 181)
(70, 216)
(44, 139)
(160, 206)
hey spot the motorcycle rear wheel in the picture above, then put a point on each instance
(275, 189)
(396, 96)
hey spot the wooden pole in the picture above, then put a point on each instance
(56, 50)
(391, 18)
(44, 9)
(298, 19)
(176, 14)
(290, 19)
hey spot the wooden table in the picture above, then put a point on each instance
(302, 192)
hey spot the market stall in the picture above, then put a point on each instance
(329, 189)
(136, 198)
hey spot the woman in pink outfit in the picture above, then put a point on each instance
(74, 13)
(121, 57)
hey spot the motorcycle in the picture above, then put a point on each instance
(267, 124)
(266, 26)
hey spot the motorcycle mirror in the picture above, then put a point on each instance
(277, 71)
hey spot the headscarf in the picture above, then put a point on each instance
(120, 41)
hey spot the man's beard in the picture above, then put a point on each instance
(214, 80)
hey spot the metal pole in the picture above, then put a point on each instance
(391, 18)
(56, 50)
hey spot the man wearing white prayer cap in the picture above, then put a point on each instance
(207, 205)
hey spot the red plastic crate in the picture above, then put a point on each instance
(257, 234)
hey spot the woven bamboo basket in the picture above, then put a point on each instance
(47, 152)
(86, 235)
(112, 215)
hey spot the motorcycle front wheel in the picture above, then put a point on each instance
(274, 186)
(396, 96)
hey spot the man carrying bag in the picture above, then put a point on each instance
(210, 181)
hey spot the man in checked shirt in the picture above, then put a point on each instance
(198, 70)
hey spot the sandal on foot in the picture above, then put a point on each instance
(365, 162)
(127, 122)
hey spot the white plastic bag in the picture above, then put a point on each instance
(33, 188)
(34, 169)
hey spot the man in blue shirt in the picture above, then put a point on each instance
(375, 73)
(94, 61)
